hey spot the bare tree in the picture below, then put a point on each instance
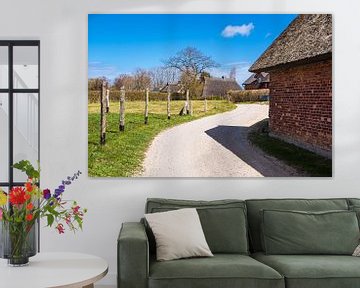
(160, 76)
(171, 75)
(142, 79)
(233, 73)
(191, 62)
(126, 81)
(96, 83)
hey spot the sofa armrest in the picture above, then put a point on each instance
(133, 256)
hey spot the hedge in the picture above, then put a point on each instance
(248, 95)
(94, 96)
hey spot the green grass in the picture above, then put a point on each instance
(309, 163)
(123, 153)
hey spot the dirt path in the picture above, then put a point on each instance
(214, 146)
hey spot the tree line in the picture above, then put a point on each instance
(188, 66)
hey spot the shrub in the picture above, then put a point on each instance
(94, 96)
(248, 95)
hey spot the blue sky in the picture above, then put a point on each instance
(121, 43)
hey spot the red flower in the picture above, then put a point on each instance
(60, 228)
(68, 219)
(17, 196)
(29, 217)
(27, 196)
(75, 209)
(29, 206)
(29, 186)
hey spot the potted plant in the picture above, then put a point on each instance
(21, 208)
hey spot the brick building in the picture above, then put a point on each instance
(300, 65)
(257, 81)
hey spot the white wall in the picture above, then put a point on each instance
(61, 25)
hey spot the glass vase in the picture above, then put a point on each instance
(18, 242)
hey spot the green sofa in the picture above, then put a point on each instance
(235, 234)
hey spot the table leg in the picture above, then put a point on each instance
(89, 286)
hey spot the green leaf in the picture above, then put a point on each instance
(53, 211)
(50, 219)
(26, 167)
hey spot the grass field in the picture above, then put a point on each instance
(308, 162)
(123, 153)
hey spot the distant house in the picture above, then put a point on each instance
(174, 88)
(300, 64)
(219, 86)
(257, 81)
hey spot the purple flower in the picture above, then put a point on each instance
(46, 194)
(68, 181)
(58, 192)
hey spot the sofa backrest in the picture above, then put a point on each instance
(354, 202)
(223, 221)
(255, 206)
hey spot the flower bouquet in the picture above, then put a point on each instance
(21, 208)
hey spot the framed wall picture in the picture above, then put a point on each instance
(210, 95)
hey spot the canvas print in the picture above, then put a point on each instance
(210, 95)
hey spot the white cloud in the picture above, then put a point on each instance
(268, 35)
(242, 30)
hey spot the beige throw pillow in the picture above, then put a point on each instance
(357, 251)
(178, 234)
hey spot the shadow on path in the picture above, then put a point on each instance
(234, 138)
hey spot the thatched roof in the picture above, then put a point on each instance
(258, 78)
(219, 86)
(174, 88)
(307, 39)
(250, 80)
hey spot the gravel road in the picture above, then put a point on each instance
(214, 146)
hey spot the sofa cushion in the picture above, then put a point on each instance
(313, 271)
(223, 221)
(297, 232)
(255, 206)
(222, 270)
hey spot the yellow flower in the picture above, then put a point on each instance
(3, 198)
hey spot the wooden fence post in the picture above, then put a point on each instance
(187, 101)
(190, 107)
(103, 114)
(205, 104)
(168, 102)
(146, 105)
(122, 109)
(107, 99)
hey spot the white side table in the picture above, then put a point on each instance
(50, 270)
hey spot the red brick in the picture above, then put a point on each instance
(301, 104)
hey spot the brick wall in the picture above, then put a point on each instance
(301, 106)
